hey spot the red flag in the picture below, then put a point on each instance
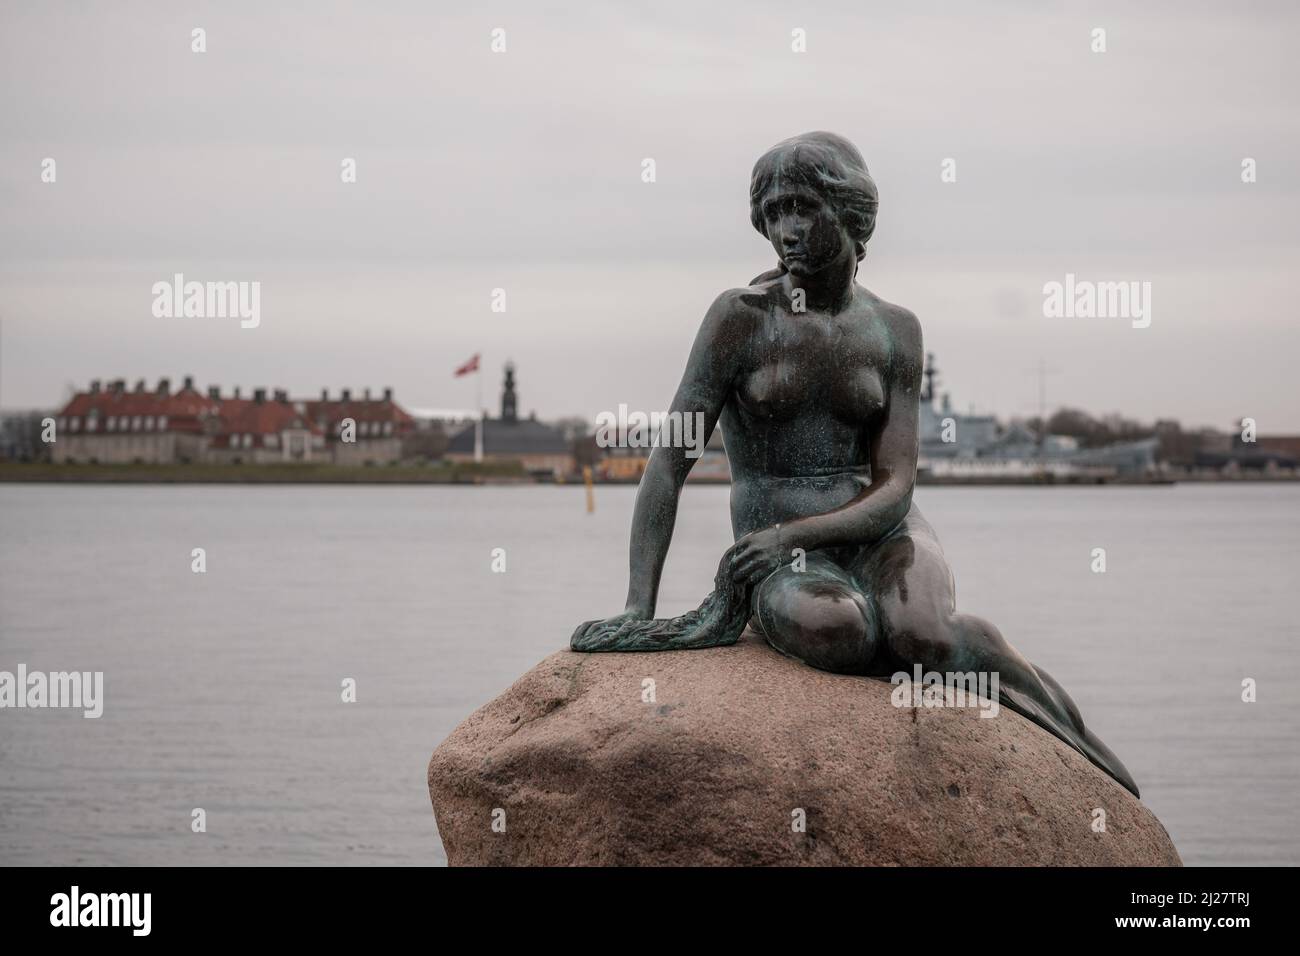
(470, 366)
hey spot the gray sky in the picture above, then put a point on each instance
(522, 170)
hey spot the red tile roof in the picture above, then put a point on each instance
(377, 411)
(191, 411)
(244, 416)
(182, 410)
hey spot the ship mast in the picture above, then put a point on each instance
(931, 375)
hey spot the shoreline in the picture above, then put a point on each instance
(496, 475)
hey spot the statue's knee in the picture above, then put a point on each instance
(923, 635)
(829, 628)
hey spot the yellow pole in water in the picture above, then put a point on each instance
(591, 492)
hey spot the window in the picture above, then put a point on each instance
(162, 423)
(74, 423)
(136, 423)
(92, 423)
(148, 423)
(271, 440)
(388, 428)
(110, 423)
(248, 441)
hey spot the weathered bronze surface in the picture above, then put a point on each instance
(816, 382)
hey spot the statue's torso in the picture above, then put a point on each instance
(807, 404)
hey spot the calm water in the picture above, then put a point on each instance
(222, 689)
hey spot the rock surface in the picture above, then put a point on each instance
(736, 741)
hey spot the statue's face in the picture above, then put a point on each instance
(804, 229)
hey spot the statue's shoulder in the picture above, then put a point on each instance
(760, 290)
(740, 308)
(896, 317)
(902, 324)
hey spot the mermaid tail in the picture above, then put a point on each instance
(1075, 734)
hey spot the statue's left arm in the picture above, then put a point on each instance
(882, 505)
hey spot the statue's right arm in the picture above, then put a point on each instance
(706, 385)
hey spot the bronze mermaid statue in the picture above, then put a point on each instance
(816, 382)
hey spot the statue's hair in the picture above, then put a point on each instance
(825, 162)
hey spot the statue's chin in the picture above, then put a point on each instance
(804, 268)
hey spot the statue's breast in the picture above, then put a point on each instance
(786, 388)
(863, 395)
(775, 390)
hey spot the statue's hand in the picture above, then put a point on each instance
(755, 556)
(591, 634)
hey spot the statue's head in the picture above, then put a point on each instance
(812, 198)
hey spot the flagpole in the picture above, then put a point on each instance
(478, 413)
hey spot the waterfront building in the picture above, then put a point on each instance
(379, 426)
(114, 425)
(263, 431)
(539, 448)
(627, 465)
(117, 425)
(957, 446)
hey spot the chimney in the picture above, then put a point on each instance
(259, 395)
(164, 386)
(188, 384)
(94, 386)
(119, 386)
(388, 394)
(236, 391)
(139, 385)
(324, 394)
(214, 392)
(367, 394)
(281, 395)
(347, 394)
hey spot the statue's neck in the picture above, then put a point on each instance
(830, 290)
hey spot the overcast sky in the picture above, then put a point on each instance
(522, 170)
